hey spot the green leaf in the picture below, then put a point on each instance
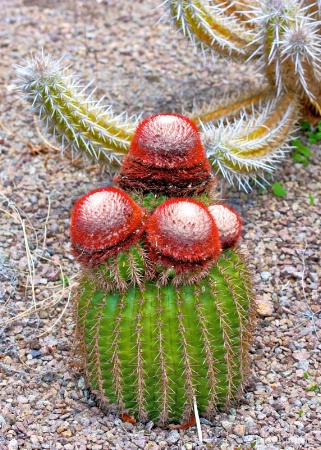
(278, 189)
(297, 157)
(305, 125)
(297, 142)
(314, 137)
(304, 150)
(311, 198)
(64, 280)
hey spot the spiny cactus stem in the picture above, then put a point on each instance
(209, 30)
(282, 114)
(78, 122)
(158, 336)
(226, 331)
(292, 49)
(80, 125)
(243, 318)
(242, 150)
(94, 353)
(80, 314)
(212, 113)
(139, 369)
(246, 315)
(238, 9)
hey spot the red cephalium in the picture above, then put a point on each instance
(182, 233)
(228, 222)
(104, 222)
(166, 155)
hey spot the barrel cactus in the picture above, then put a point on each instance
(165, 307)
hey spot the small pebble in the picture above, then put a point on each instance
(265, 276)
(172, 437)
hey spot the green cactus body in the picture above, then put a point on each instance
(151, 349)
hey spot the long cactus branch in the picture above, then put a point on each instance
(229, 108)
(73, 118)
(209, 28)
(247, 148)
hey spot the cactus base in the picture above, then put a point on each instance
(149, 350)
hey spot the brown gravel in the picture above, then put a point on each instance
(141, 66)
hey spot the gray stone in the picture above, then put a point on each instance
(205, 421)
(48, 378)
(265, 276)
(149, 425)
(128, 426)
(81, 383)
(226, 425)
(303, 364)
(13, 444)
(173, 437)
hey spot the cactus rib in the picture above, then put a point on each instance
(76, 121)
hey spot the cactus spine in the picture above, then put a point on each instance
(167, 320)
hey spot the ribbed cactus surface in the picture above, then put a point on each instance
(152, 348)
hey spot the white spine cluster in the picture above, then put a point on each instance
(245, 149)
(289, 38)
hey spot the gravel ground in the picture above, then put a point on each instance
(141, 66)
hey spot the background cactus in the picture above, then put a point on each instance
(167, 320)
(282, 37)
(244, 137)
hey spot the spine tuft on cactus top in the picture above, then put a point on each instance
(165, 309)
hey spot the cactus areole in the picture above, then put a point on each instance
(165, 308)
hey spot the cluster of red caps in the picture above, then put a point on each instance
(165, 156)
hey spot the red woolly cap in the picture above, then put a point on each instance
(167, 141)
(166, 155)
(182, 233)
(104, 222)
(228, 222)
